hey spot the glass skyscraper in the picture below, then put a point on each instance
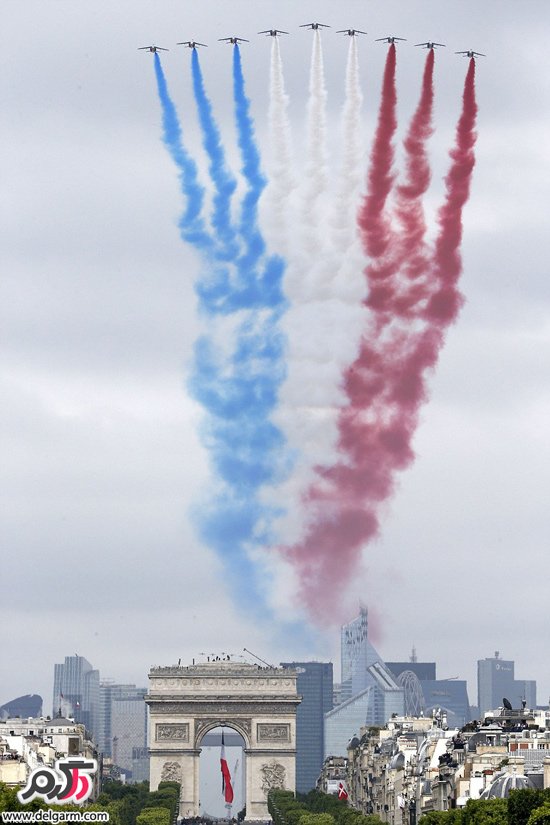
(314, 684)
(356, 656)
(76, 692)
(123, 728)
(369, 693)
(496, 681)
(129, 732)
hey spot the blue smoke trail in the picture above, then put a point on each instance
(239, 389)
(231, 517)
(224, 182)
(247, 287)
(251, 164)
(191, 223)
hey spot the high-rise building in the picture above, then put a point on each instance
(23, 706)
(496, 681)
(129, 732)
(314, 684)
(123, 728)
(374, 705)
(424, 693)
(356, 655)
(422, 670)
(451, 695)
(108, 689)
(76, 692)
(369, 693)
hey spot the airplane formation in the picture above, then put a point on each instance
(391, 39)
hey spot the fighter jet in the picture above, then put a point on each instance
(350, 32)
(234, 40)
(429, 44)
(153, 49)
(470, 53)
(273, 32)
(314, 26)
(191, 44)
(390, 39)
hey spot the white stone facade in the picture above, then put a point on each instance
(27, 744)
(185, 703)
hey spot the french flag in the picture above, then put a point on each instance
(227, 788)
(342, 793)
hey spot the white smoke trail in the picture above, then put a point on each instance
(349, 283)
(325, 285)
(277, 197)
(350, 179)
(315, 169)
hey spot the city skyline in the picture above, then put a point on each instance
(427, 672)
(368, 695)
(103, 464)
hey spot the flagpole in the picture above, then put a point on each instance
(227, 788)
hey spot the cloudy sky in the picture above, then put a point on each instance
(101, 457)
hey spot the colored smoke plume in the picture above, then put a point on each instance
(357, 366)
(445, 303)
(223, 180)
(386, 384)
(238, 360)
(373, 220)
(191, 223)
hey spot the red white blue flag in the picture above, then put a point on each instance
(227, 788)
(342, 793)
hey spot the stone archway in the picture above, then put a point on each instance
(258, 702)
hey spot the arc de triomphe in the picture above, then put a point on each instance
(185, 702)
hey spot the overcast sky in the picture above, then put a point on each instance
(101, 457)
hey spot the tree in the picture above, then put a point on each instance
(286, 810)
(10, 802)
(522, 803)
(540, 816)
(165, 798)
(293, 813)
(128, 802)
(485, 812)
(316, 819)
(154, 816)
(175, 786)
(453, 817)
(112, 808)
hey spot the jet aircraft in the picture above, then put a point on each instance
(350, 32)
(470, 53)
(430, 44)
(314, 26)
(153, 49)
(234, 40)
(273, 32)
(391, 39)
(191, 44)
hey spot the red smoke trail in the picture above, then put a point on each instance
(406, 251)
(387, 384)
(446, 302)
(370, 376)
(374, 223)
(339, 521)
(409, 209)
